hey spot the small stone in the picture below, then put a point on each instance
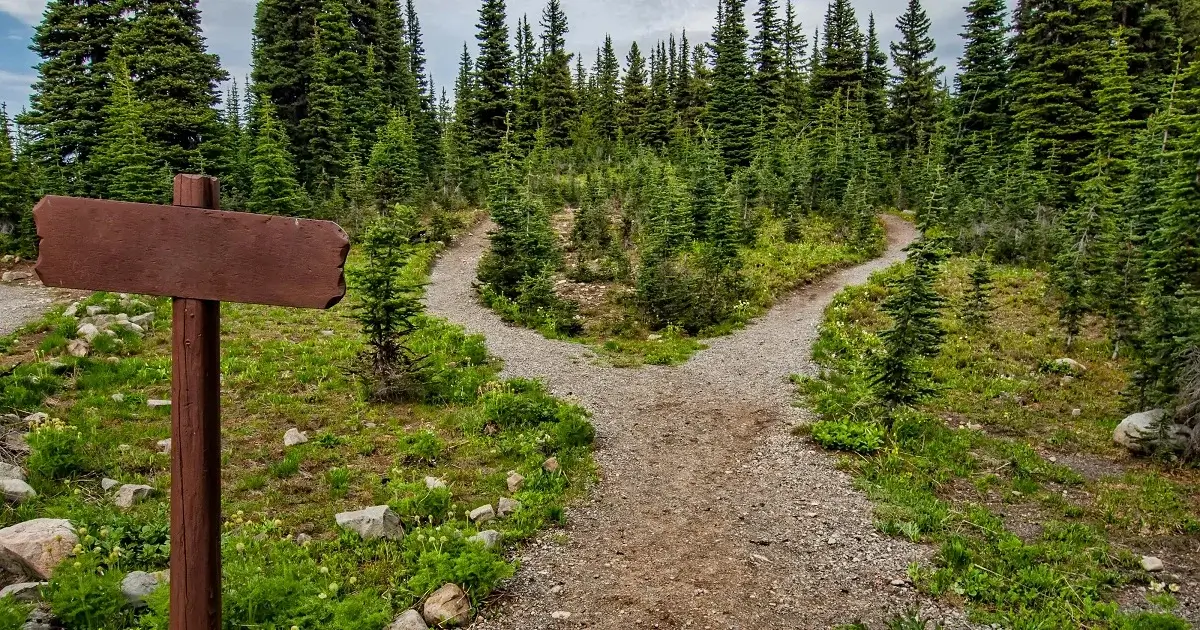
(71, 310)
(87, 332)
(131, 494)
(556, 589)
(507, 506)
(898, 582)
(137, 586)
(11, 471)
(373, 522)
(15, 441)
(164, 446)
(24, 591)
(482, 514)
(433, 483)
(39, 619)
(118, 397)
(560, 614)
(1070, 365)
(550, 465)
(78, 348)
(448, 606)
(409, 620)
(158, 403)
(133, 327)
(14, 276)
(1076, 412)
(121, 317)
(328, 333)
(143, 319)
(303, 539)
(294, 436)
(515, 481)
(1151, 564)
(16, 490)
(93, 311)
(36, 546)
(489, 538)
(107, 484)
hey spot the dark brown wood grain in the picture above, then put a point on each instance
(190, 252)
(196, 447)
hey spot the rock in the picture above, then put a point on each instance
(164, 446)
(121, 318)
(1151, 564)
(118, 397)
(303, 539)
(550, 465)
(433, 483)
(131, 494)
(39, 619)
(1136, 433)
(78, 348)
(515, 481)
(482, 514)
(87, 332)
(24, 591)
(488, 538)
(1075, 413)
(11, 471)
(36, 546)
(326, 333)
(560, 614)
(10, 418)
(374, 522)
(71, 310)
(557, 589)
(143, 319)
(15, 441)
(14, 276)
(158, 403)
(447, 606)
(137, 586)
(507, 506)
(294, 436)
(16, 490)
(409, 620)
(107, 484)
(132, 327)
(93, 311)
(1071, 365)
(34, 418)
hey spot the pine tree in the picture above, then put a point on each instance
(978, 305)
(123, 161)
(275, 190)
(558, 106)
(840, 64)
(426, 131)
(493, 89)
(635, 96)
(795, 88)
(395, 62)
(900, 374)
(731, 112)
(875, 79)
(461, 163)
(527, 92)
(325, 123)
(982, 79)
(766, 58)
(660, 114)
(605, 105)
(394, 172)
(284, 43)
(914, 95)
(236, 182)
(12, 197)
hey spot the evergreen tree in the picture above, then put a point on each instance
(605, 105)
(394, 60)
(978, 305)
(875, 79)
(394, 171)
(766, 57)
(731, 112)
(424, 117)
(284, 44)
(493, 89)
(914, 95)
(12, 197)
(840, 64)
(982, 79)
(795, 88)
(901, 375)
(275, 190)
(660, 114)
(123, 161)
(325, 123)
(635, 96)
(459, 159)
(558, 106)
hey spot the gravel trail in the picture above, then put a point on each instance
(19, 304)
(709, 514)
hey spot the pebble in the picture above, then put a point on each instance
(158, 403)
(560, 614)
(1152, 564)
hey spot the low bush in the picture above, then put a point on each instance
(417, 504)
(419, 447)
(440, 554)
(56, 450)
(848, 435)
(86, 596)
(692, 290)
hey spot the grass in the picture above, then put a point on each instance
(980, 469)
(284, 368)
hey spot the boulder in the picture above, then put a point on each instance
(507, 506)
(131, 494)
(1070, 365)
(373, 522)
(1136, 433)
(39, 619)
(137, 586)
(11, 471)
(78, 348)
(447, 607)
(488, 538)
(107, 484)
(132, 327)
(16, 490)
(143, 319)
(71, 310)
(409, 620)
(24, 591)
(164, 446)
(35, 547)
(14, 276)
(1151, 564)
(550, 465)
(515, 481)
(93, 311)
(294, 436)
(15, 441)
(34, 418)
(433, 483)
(482, 514)
(87, 331)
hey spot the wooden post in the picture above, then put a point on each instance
(196, 444)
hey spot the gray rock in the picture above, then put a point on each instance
(446, 607)
(1137, 433)
(39, 619)
(1152, 564)
(515, 481)
(10, 418)
(294, 436)
(118, 397)
(16, 490)
(433, 483)
(71, 310)
(488, 538)
(131, 494)
(561, 615)
(507, 506)
(14, 276)
(137, 586)
(143, 319)
(78, 348)
(121, 318)
(15, 441)
(87, 331)
(550, 465)
(107, 484)
(373, 522)
(482, 514)
(130, 326)
(153, 402)
(303, 539)
(409, 620)
(1070, 364)
(93, 311)
(36, 546)
(11, 471)
(1075, 413)
(40, 416)
(24, 591)
(164, 446)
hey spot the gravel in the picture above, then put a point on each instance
(709, 513)
(19, 304)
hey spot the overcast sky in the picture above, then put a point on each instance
(448, 23)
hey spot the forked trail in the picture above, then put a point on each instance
(709, 513)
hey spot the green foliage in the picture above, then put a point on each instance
(274, 186)
(440, 554)
(523, 245)
(394, 172)
(520, 403)
(13, 613)
(848, 435)
(977, 307)
(85, 595)
(416, 503)
(56, 451)
(422, 447)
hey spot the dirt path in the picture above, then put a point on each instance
(19, 304)
(709, 514)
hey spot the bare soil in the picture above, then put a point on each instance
(709, 513)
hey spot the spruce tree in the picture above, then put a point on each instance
(394, 172)
(875, 79)
(983, 71)
(283, 45)
(840, 64)
(275, 190)
(731, 114)
(493, 89)
(123, 162)
(795, 71)
(324, 126)
(426, 131)
(12, 197)
(635, 96)
(767, 61)
(395, 62)
(914, 95)
(977, 307)
(660, 113)
(605, 105)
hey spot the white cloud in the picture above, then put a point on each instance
(28, 11)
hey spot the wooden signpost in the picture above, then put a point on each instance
(200, 256)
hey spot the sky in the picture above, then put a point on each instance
(446, 24)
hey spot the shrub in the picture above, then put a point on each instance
(12, 614)
(574, 430)
(457, 364)
(56, 450)
(418, 504)
(85, 596)
(693, 291)
(848, 435)
(440, 554)
(420, 447)
(520, 403)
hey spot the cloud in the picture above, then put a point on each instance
(28, 11)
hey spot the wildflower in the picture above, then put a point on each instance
(321, 595)
(83, 531)
(78, 565)
(354, 580)
(324, 570)
(278, 523)
(333, 588)
(241, 547)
